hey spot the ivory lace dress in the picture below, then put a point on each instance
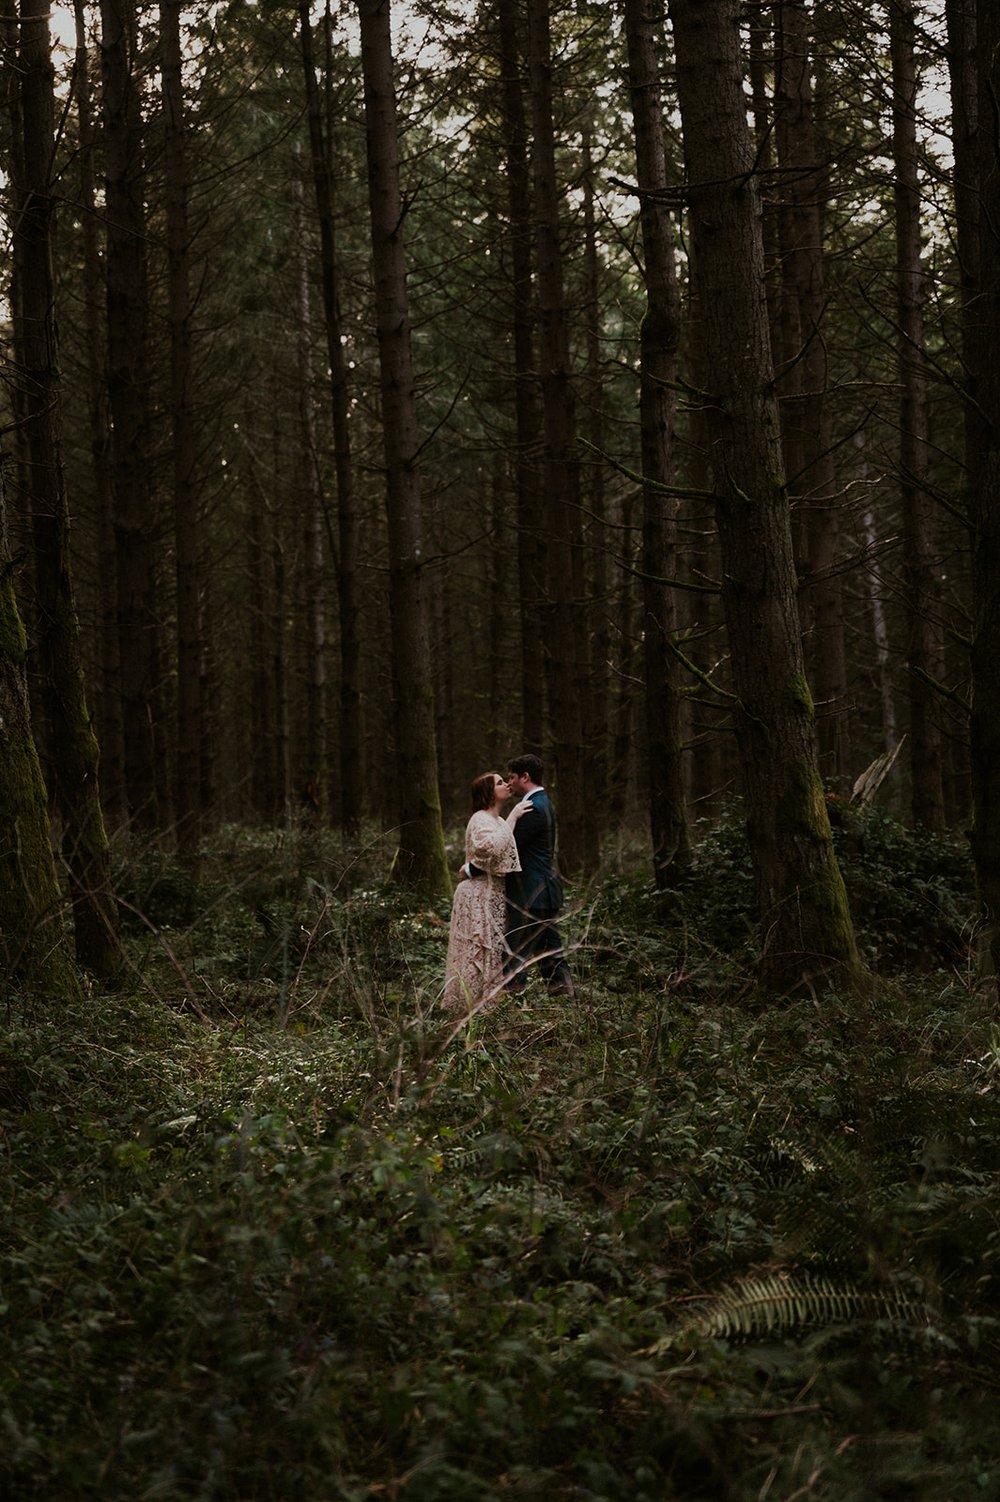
(474, 969)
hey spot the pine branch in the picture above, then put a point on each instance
(681, 492)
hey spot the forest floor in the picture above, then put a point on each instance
(271, 1230)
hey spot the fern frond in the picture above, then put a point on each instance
(786, 1304)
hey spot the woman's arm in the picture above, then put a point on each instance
(524, 807)
(491, 846)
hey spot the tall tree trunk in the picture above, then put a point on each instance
(563, 646)
(982, 339)
(658, 344)
(420, 861)
(73, 751)
(33, 950)
(712, 770)
(961, 24)
(313, 749)
(806, 409)
(595, 722)
(761, 60)
(527, 490)
(351, 768)
(924, 647)
(806, 929)
(281, 739)
(263, 793)
(108, 711)
(882, 670)
(128, 375)
(622, 735)
(187, 520)
(498, 595)
(961, 20)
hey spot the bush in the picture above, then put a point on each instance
(912, 892)
(623, 1249)
(246, 1265)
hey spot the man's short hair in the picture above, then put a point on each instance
(528, 765)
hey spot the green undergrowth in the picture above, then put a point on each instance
(274, 1229)
(624, 1249)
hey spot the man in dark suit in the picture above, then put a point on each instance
(534, 894)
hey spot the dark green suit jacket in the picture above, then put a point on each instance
(536, 888)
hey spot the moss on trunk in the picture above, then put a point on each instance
(806, 930)
(33, 950)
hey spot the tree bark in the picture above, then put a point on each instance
(562, 643)
(33, 950)
(806, 930)
(658, 345)
(263, 781)
(352, 788)
(595, 720)
(924, 646)
(527, 489)
(882, 669)
(108, 705)
(73, 750)
(312, 749)
(128, 375)
(623, 716)
(806, 416)
(190, 727)
(962, 74)
(420, 862)
(982, 342)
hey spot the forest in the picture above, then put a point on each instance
(389, 390)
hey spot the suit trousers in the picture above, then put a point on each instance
(533, 940)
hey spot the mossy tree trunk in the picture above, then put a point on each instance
(807, 418)
(806, 929)
(33, 950)
(73, 751)
(420, 862)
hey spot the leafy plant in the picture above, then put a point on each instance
(648, 1244)
(788, 1304)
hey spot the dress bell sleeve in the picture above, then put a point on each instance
(490, 845)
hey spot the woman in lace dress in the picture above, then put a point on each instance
(474, 969)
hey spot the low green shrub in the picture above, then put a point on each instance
(912, 892)
(617, 1249)
(274, 1228)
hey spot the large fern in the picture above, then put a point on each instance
(782, 1304)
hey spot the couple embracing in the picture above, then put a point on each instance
(508, 897)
